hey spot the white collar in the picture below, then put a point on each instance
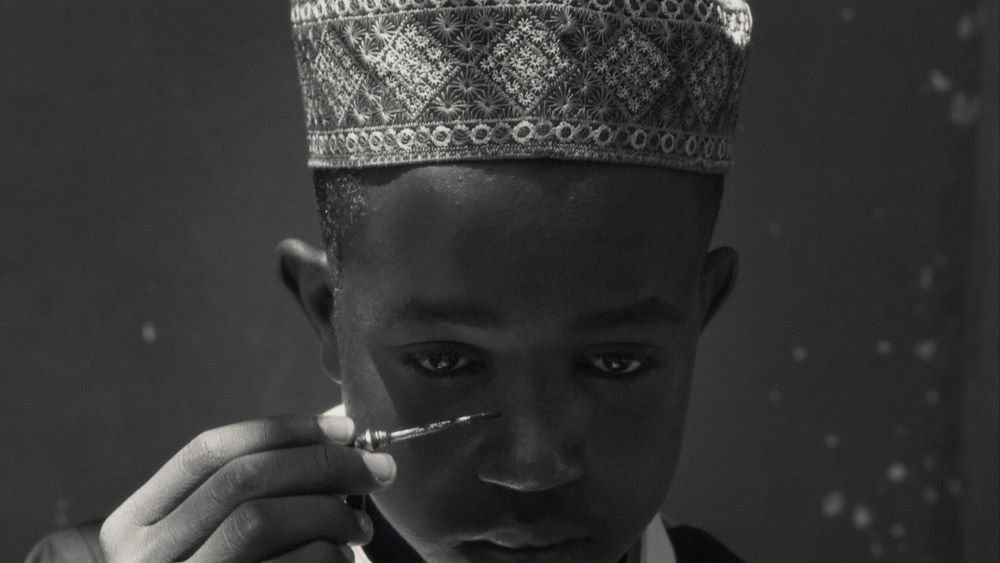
(656, 546)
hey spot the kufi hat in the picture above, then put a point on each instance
(648, 82)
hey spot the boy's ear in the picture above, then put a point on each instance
(718, 278)
(305, 272)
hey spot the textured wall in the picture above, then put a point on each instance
(152, 155)
(829, 397)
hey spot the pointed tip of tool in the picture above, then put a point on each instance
(475, 418)
(481, 416)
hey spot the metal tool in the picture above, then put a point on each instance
(374, 440)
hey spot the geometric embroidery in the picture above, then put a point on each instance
(408, 60)
(647, 82)
(707, 80)
(329, 97)
(635, 69)
(526, 61)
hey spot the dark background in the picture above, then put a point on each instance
(152, 154)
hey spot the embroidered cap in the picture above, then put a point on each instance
(648, 82)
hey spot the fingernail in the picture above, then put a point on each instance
(382, 466)
(365, 523)
(348, 552)
(340, 429)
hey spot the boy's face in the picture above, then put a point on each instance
(570, 297)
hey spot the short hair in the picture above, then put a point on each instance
(341, 203)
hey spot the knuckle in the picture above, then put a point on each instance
(238, 480)
(120, 540)
(116, 531)
(203, 454)
(108, 537)
(110, 528)
(248, 522)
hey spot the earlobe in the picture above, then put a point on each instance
(304, 271)
(718, 278)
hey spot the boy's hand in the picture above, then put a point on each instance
(255, 490)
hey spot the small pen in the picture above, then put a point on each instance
(375, 440)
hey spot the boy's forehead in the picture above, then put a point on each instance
(564, 182)
(538, 171)
(523, 237)
(542, 205)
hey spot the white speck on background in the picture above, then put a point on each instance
(862, 517)
(799, 354)
(966, 27)
(774, 395)
(877, 550)
(774, 228)
(955, 487)
(831, 440)
(964, 109)
(883, 347)
(926, 350)
(898, 530)
(931, 495)
(149, 333)
(926, 278)
(938, 81)
(833, 504)
(932, 397)
(847, 14)
(929, 462)
(897, 472)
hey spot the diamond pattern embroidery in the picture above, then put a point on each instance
(409, 61)
(526, 61)
(645, 82)
(707, 83)
(634, 69)
(327, 71)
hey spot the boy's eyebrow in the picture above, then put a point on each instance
(648, 312)
(450, 312)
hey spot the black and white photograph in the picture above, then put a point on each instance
(489, 281)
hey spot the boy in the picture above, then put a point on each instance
(517, 201)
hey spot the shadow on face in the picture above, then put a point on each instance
(568, 296)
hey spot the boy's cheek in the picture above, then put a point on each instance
(372, 401)
(436, 498)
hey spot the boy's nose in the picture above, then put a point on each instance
(541, 444)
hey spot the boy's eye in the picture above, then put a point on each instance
(617, 364)
(442, 363)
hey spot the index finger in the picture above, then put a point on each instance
(212, 449)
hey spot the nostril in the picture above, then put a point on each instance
(537, 476)
(537, 447)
